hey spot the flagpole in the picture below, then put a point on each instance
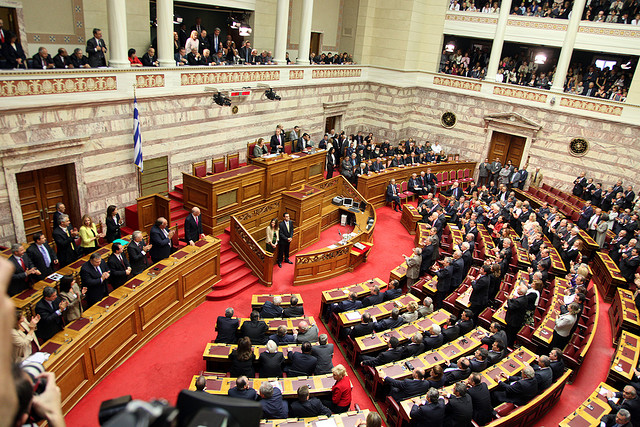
(138, 174)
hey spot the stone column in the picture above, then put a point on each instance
(633, 96)
(117, 43)
(567, 47)
(282, 23)
(305, 32)
(164, 18)
(498, 41)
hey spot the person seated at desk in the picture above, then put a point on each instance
(451, 329)
(119, 266)
(393, 290)
(351, 303)
(137, 252)
(497, 334)
(73, 295)
(628, 400)
(415, 346)
(466, 321)
(227, 328)
(271, 361)
(432, 338)
(410, 387)
(323, 352)
(281, 337)
(415, 185)
(270, 309)
(42, 256)
(294, 310)
(22, 336)
(242, 359)
(273, 405)
(94, 275)
(393, 353)
(23, 270)
(622, 418)
(160, 240)
(375, 298)
(260, 149)
(42, 60)
(193, 227)
(303, 363)
(390, 322)
(255, 329)
(307, 332)
(365, 327)
(517, 390)
(458, 410)
(392, 195)
(50, 309)
(242, 389)
(479, 360)
(496, 352)
(79, 60)
(306, 407)
(456, 372)
(429, 414)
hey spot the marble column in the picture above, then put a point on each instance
(498, 41)
(282, 23)
(633, 96)
(305, 32)
(567, 47)
(117, 43)
(164, 18)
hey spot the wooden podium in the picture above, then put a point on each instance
(305, 208)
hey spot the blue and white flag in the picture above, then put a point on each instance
(137, 137)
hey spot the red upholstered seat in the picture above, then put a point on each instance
(233, 160)
(287, 147)
(250, 148)
(546, 187)
(199, 169)
(409, 194)
(393, 413)
(401, 194)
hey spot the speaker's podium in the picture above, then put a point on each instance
(305, 208)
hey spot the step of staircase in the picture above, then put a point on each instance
(179, 187)
(177, 196)
(227, 293)
(229, 266)
(228, 256)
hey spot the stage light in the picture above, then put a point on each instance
(270, 94)
(222, 101)
(450, 47)
(541, 58)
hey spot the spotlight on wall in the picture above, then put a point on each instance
(450, 47)
(244, 30)
(222, 101)
(270, 94)
(540, 58)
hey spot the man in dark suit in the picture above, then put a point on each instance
(62, 59)
(375, 298)
(137, 252)
(622, 418)
(64, 237)
(365, 327)
(516, 311)
(629, 197)
(496, 334)
(480, 399)
(160, 240)
(479, 298)
(42, 256)
(432, 337)
(390, 322)
(626, 399)
(543, 373)
(444, 282)
(393, 291)
(454, 372)
(392, 354)
(294, 310)
(23, 270)
(429, 414)
(515, 389)
(242, 390)
(557, 363)
(391, 195)
(255, 329)
(42, 59)
(585, 215)
(227, 328)
(410, 387)
(119, 266)
(303, 363)
(96, 48)
(323, 352)
(305, 407)
(50, 309)
(60, 209)
(459, 409)
(457, 275)
(94, 275)
(286, 235)
(479, 360)
(277, 142)
(351, 303)
(193, 227)
(629, 263)
(466, 321)
(272, 309)
(496, 352)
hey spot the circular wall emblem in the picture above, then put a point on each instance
(448, 119)
(234, 109)
(578, 147)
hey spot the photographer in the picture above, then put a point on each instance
(38, 396)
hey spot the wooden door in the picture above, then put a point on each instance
(39, 191)
(316, 43)
(330, 124)
(506, 147)
(155, 178)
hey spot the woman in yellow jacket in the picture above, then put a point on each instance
(89, 234)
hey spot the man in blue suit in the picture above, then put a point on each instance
(160, 240)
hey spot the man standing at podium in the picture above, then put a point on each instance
(286, 234)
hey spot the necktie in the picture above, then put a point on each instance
(121, 260)
(99, 271)
(196, 220)
(2, 37)
(287, 225)
(45, 256)
(24, 267)
(66, 230)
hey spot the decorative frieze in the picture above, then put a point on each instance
(189, 79)
(57, 86)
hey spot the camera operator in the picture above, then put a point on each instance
(38, 396)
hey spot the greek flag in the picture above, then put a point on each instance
(137, 137)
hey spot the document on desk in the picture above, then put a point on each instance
(55, 276)
(354, 315)
(277, 384)
(329, 422)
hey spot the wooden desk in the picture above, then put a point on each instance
(287, 171)
(218, 354)
(361, 290)
(139, 310)
(257, 301)
(346, 419)
(623, 314)
(399, 273)
(500, 313)
(544, 332)
(625, 360)
(410, 218)
(304, 205)
(379, 311)
(291, 322)
(463, 346)
(422, 235)
(591, 410)
(318, 384)
(590, 245)
(373, 187)
(511, 365)
(607, 276)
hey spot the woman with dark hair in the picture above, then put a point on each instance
(436, 377)
(242, 359)
(13, 52)
(332, 162)
(273, 234)
(133, 59)
(113, 224)
(70, 292)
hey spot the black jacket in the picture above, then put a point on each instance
(458, 412)
(297, 311)
(431, 414)
(118, 270)
(256, 331)
(361, 329)
(373, 300)
(404, 389)
(390, 355)
(137, 259)
(432, 341)
(455, 374)
(247, 393)
(19, 281)
(38, 260)
(270, 310)
(64, 246)
(227, 330)
(310, 408)
(92, 280)
(480, 293)
(192, 231)
(161, 245)
(270, 364)
(517, 390)
(113, 229)
(481, 400)
(516, 311)
(50, 322)
(301, 364)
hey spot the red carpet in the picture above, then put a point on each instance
(165, 366)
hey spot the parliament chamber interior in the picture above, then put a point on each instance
(289, 213)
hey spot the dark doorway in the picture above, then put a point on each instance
(316, 43)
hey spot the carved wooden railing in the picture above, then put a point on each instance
(258, 259)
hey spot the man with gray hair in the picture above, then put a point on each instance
(621, 419)
(324, 353)
(415, 347)
(272, 309)
(426, 307)
(50, 309)
(515, 389)
(431, 413)
(65, 236)
(432, 337)
(307, 332)
(625, 400)
(227, 327)
(137, 252)
(273, 405)
(413, 266)
(22, 269)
